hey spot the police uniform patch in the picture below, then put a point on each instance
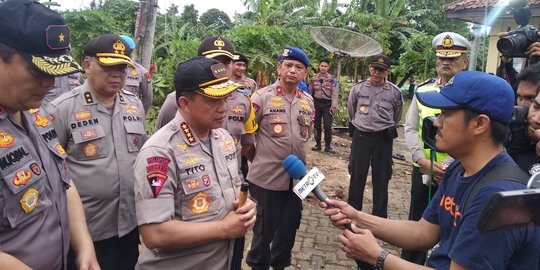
(29, 200)
(131, 109)
(121, 98)
(304, 104)
(83, 115)
(206, 180)
(41, 120)
(156, 181)
(6, 140)
(218, 70)
(278, 119)
(60, 150)
(227, 146)
(136, 142)
(88, 134)
(193, 183)
(448, 41)
(90, 150)
(278, 129)
(199, 203)
(362, 108)
(187, 132)
(133, 72)
(192, 160)
(22, 177)
(88, 98)
(158, 160)
(276, 99)
(35, 168)
(276, 104)
(237, 110)
(182, 146)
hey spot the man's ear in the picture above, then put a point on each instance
(183, 103)
(86, 65)
(481, 123)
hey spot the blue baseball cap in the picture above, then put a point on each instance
(294, 53)
(476, 91)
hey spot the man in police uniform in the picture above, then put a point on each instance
(374, 107)
(139, 80)
(238, 74)
(102, 129)
(324, 90)
(284, 115)
(451, 51)
(62, 84)
(41, 209)
(186, 189)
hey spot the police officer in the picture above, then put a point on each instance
(187, 178)
(451, 51)
(37, 197)
(324, 89)
(139, 80)
(62, 84)
(238, 74)
(374, 107)
(102, 129)
(284, 116)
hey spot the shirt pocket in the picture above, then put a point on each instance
(200, 201)
(278, 124)
(89, 143)
(24, 195)
(386, 111)
(304, 122)
(363, 106)
(134, 135)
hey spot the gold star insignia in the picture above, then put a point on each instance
(61, 37)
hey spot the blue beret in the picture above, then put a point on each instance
(294, 53)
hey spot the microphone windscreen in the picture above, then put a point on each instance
(294, 167)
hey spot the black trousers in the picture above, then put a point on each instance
(278, 218)
(419, 203)
(322, 112)
(377, 152)
(117, 253)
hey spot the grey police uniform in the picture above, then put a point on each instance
(102, 146)
(62, 84)
(178, 177)
(249, 85)
(325, 96)
(139, 82)
(283, 129)
(324, 87)
(374, 112)
(33, 225)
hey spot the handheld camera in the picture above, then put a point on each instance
(515, 44)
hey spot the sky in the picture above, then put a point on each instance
(228, 6)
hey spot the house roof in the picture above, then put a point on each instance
(474, 4)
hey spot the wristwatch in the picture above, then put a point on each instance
(379, 265)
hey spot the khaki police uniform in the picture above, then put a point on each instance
(139, 82)
(374, 112)
(61, 85)
(179, 177)
(33, 173)
(102, 145)
(324, 90)
(249, 85)
(283, 130)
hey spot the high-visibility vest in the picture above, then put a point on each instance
(424, 112)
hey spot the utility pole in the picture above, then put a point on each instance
(144, 32)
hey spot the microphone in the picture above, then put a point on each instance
(309, 183)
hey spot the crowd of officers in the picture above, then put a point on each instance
(83, 183)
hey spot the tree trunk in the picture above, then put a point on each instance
(144, 32)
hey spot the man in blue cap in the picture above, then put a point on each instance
(283, 113)
(139, 80)
(471, 129)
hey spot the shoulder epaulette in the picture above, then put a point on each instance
(127, 93)
(64, 96)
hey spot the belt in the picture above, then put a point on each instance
(380, 133)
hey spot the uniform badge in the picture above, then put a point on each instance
(447, 41)
(286, 52)
(227, 146)
(22, 177)
(41, 120)
(88, 98)
(83, 115)
(362, 108)
(187, 132)
(121, 98)
(193, 184)
(237, 110)
(182, 146)
(304, 104)
(88, 134)
(278, 129)
(219, 70)
(90, 150)
(131, 109)
(119, 47)
(278, 119)
(276, 104)
(156, 181)
(206, 180)
(276, 99)
(304, 131)
(133, 72)
(219, 43)
(136, 142)
(192, 160)
(6, 140)
(199, 203)
(35, 168)
(60, 150)
(29, 200)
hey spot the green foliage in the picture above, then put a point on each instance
(216, 18)
(190, 14)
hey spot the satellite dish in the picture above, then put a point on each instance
(345, 42)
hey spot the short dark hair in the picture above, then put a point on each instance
(188, 94)
(499, 131)
(324, 60)
(531, 74)
(6, 53)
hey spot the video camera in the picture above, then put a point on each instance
(515, 44)
(518, 140)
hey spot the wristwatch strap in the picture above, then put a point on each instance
(379, 265)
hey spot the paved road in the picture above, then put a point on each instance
(316, 245)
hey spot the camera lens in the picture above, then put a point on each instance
(513, 44)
